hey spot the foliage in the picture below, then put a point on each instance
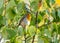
(48, 19)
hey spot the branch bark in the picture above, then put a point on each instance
(36, 26)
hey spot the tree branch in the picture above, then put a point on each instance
(24, 34)
(36, 26)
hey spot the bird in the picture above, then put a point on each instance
(25, 20)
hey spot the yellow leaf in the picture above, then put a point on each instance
(41, 23)
(38, 30)
(9, 21)
(58, 2)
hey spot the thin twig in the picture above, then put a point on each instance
(24, 35)
(40, 2)
(36, 26)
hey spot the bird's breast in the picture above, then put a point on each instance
(27, 22)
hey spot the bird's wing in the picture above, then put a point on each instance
(22, 19)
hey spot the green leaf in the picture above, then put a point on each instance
(48, 3)
(47, 32)
(1, 11)
(1, 3)
(18, 40)
(34, 5)
(29, 40)
(42, 13)
(30, 30)
(59, 29)
(4, 31)
(16, 1)
(10, 13)
(2, 20)
(40, 40)
(10, 4)
(55, 38)
(10, 33)
(46, 40)
(39, 18)
(20, 31)
(59, 12)
(52, 2)
(20, 7)
(55, 27)
(54, 13)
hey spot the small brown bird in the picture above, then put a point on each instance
(25, 20)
